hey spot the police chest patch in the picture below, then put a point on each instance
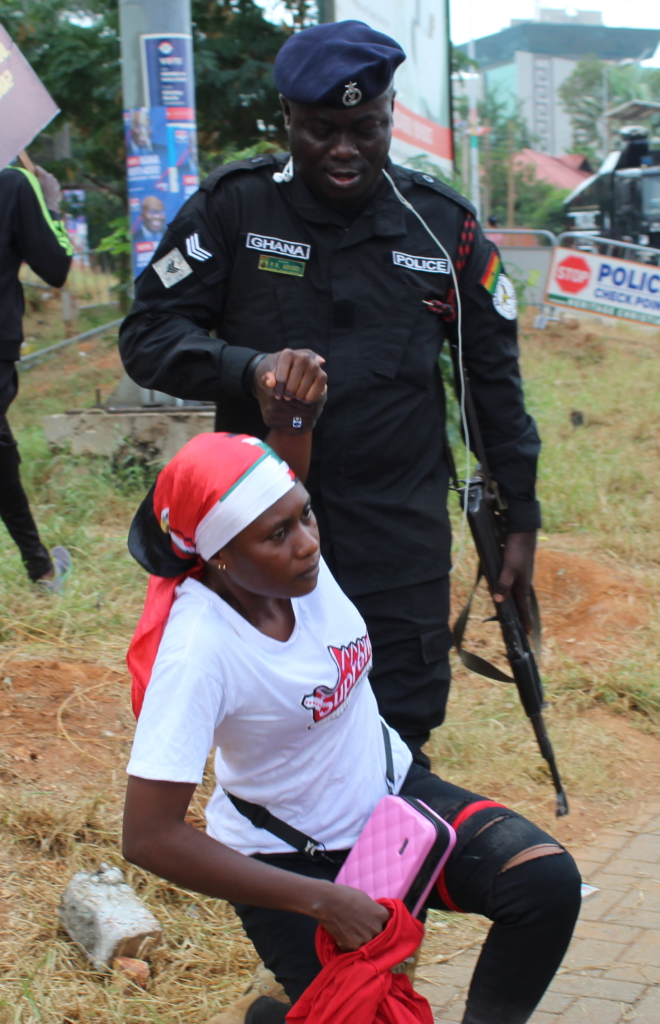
(277, 265)
(426, 263)
(172, 268)
(279, 246)
(505, 299)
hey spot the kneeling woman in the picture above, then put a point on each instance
(247, 644)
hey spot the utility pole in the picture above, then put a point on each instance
(159, 117)
(511, 181)
(474, 138)
(146, 17)
(606, 123)
(488, 163)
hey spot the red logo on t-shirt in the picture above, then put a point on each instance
(572, 274)
(353, 663)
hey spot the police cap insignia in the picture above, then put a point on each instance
(352, 96)
(337, 64)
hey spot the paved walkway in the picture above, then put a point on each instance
(611, 974)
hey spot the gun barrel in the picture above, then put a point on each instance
(545, 746)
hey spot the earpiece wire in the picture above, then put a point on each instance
(459, 326)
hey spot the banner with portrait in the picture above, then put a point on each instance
(161, 143)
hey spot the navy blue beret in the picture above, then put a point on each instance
(338, 64)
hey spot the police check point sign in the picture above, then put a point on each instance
(604, 285)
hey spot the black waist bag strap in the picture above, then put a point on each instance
(261, 817)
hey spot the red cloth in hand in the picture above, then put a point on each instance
(359, 987)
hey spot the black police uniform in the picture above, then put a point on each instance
(264, 265)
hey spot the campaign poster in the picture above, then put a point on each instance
(25, 105)
(422, 108)
(162, 170)
(147, 168)
(167, 67)
(605, 285)
(161, 142)
(75, 221)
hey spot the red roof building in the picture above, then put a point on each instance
(561, 171)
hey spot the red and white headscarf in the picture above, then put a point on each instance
(211, 490)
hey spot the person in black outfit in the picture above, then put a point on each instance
(315, 250)
(30, 232)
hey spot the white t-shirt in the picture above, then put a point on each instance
(295, 723)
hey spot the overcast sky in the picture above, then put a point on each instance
(484, 17)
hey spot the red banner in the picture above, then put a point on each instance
(420, 132)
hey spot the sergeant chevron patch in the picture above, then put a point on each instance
(195, 250)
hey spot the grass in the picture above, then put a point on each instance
(599, 488)
(85, 504)
(600, 482)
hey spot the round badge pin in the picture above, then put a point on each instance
(504, 298)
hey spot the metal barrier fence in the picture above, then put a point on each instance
(597, 243)
(91, 284)
(527, 255)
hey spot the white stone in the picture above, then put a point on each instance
(105, 917)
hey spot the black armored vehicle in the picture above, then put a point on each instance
(622, 200)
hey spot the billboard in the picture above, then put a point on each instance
(422, 110)
(605, 285)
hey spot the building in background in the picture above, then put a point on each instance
(525, 64)
(422, 111)
(565, 172)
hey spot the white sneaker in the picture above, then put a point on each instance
(61, 559)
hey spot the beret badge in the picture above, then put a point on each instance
(352, 95)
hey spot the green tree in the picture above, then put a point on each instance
(593, 85)
(235, 48)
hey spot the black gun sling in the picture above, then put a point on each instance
(473, 661)
(262, 818)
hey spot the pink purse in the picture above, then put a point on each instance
(400, 853)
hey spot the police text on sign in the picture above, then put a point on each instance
(605, 285)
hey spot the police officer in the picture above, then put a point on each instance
(315, 250)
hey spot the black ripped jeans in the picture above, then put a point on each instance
(14, 507)
(533, 907)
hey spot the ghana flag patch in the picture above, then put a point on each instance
(491, 273)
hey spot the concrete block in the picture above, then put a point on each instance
(597, 988)
(105, 917)
(609, 932)
(647, 1011)
(591, 1011)
(153, 435)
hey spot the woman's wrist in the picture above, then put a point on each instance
(311, 896)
